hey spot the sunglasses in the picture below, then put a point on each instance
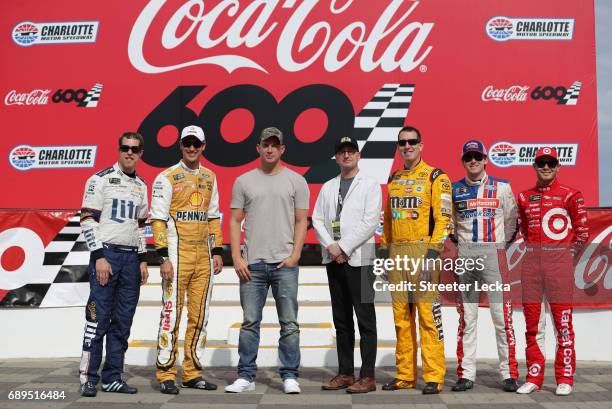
(473, 155)
(411, 142)
(127, 148)
(189, 143)
(552, 163)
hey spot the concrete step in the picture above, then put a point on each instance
(308, 274)
(222, 314)
(219, 353)
(314, 334)
(231, 292)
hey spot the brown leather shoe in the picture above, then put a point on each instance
(363, 385)
(339, 382)
(396, 384)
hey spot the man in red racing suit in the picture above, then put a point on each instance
(553, 221)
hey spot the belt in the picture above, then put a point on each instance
(120, 248)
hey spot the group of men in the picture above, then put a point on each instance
(423, 210)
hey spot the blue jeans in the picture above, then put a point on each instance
(284, 283)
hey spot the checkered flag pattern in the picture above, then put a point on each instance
(93, 96)
(571, 96)
(375, 130)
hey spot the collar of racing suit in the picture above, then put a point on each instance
(187, 169)
(553, 185)
(477, 182)
(419, 166)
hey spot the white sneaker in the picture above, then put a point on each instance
(292, 386)
(527, 387)
(563, 389)
(240, 385)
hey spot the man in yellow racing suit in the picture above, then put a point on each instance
(416, 223)
(187, 236)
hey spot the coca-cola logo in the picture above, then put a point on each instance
(594, 264)
(515, 93)
(34, 97)
(257, 22)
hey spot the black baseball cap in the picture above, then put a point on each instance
(346, 141)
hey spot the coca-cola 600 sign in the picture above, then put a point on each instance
(318, 70)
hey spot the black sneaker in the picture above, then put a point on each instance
(432, 388)
(510, 385)
(118, 386)
(200, 383)
(169, 388)
(462, 385)
(88, 389)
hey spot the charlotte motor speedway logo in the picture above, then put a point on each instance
(506, 28)
(507, 154)
(25, 157)
(28, 33)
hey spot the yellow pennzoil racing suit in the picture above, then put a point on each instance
(416, 223)
(186, 228)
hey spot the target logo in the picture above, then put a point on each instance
(556, 224)
(500, 28)
(25, 33)
(23, 157)
(534, 370)
(502, 154)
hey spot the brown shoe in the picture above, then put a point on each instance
(339, 382)
(396, 384)
(363, 385)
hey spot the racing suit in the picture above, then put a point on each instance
(113, 216)
(416, 224)
(553, 222)
(187, 229)
(485, 220)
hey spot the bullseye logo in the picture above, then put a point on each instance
(23, 157)
(25, 33)
(500, 28)
(556, 224)
(534, 370)
(502, 154)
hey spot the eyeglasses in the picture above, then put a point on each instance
(196, 143)
(473, 155)
(411, 142)
(551, 163)
(349, 153)
(127, 148)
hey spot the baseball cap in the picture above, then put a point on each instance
(474, 146)
(346, 141)
(193, 130)
(271, 132)
(546, 151)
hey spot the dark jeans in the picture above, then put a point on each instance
(253, 293)
(351, 288)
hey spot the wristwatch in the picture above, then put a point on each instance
(162, 260)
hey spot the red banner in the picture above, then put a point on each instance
(516, 75)
(42, 256)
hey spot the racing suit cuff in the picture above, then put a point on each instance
(217, 251)
(432, 254)
(162, 252)
(96, 254)
(142, 257)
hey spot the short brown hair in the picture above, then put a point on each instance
(132, 135)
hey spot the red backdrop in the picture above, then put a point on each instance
(309, 67)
